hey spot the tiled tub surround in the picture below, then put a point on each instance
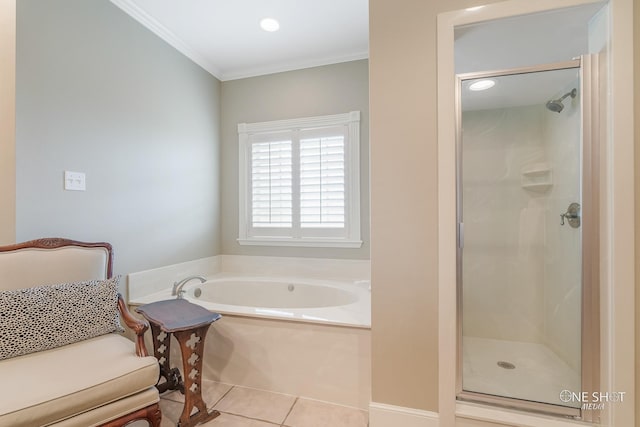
(327, 361)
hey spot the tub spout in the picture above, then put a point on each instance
(177, 290)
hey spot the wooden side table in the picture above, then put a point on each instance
(189, 324)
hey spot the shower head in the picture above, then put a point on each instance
(556, 105)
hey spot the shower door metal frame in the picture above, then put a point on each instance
(590, 320)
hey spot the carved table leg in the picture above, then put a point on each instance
(192, 349)
(162, 352)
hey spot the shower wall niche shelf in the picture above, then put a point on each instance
(537, 177)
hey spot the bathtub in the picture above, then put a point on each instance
(285, 298)
(301, 336)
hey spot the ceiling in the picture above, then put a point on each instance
(224, 36)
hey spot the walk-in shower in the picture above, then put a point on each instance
(525, 204)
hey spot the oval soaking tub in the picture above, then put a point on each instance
(289, 298)
(285, 298)
(270, 294)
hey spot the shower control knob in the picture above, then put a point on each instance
(572, 215)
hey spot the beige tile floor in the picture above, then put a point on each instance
(247, 407)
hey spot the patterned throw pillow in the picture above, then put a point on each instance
(45, 317)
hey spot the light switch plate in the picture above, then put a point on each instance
(74, 181)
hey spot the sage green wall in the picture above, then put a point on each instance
(330, 89)
(99, 93)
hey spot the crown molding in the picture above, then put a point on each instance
(133, 10)
(291, 66)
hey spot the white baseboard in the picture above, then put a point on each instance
(382, 415)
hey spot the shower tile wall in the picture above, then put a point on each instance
(504, 225)
(519, 263)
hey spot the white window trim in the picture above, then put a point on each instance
(352, 181)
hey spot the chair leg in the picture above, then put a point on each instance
(150, 413)
(154, 415)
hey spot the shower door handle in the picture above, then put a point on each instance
(572, 215)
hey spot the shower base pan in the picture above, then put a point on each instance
(520, 370)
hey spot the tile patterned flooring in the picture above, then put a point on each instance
(247, 407)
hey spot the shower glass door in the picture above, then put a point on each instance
(520, 212)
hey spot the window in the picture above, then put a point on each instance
(300, 182)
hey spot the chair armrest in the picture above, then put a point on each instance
(139, 326)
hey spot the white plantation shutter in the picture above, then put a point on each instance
(271, 184)
(299, 182)
(322, 182)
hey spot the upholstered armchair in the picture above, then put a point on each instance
(63, 359)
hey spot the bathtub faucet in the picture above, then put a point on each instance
(177, 286)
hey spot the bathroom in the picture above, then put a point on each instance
(408, 305)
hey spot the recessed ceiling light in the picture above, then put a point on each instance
(482, 84)
(270, 24)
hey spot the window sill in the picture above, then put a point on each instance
(308, 243)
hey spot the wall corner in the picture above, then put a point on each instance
(7, 121)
